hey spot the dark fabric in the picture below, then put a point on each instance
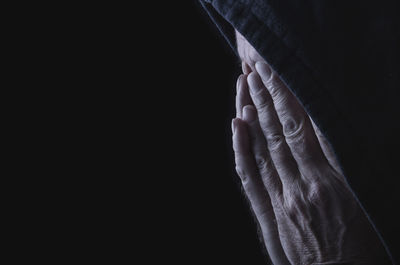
(342, 60)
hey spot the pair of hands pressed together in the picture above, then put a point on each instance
(305, 209)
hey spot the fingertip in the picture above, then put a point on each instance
(255, 77)
(238, 127)
(234, 135)
(246, 69)
(255, 83)
(236, 123)
(249, 113)
(264, 70)
(251, 76)
(239, 81)
(244, 79)
(240, 138)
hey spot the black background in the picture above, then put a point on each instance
(194, 208)
(207, 217)
(137, 161)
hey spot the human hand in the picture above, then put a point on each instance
(306, 211)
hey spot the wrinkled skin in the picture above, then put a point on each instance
(306, 210)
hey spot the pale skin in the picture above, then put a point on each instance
(297, 191)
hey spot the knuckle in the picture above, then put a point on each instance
(272, 183)
(242, 173)
(262, 162)
(275, 141)
(263, 110)
(293, 127)
(261, 101)
(275, 93)
(275, 87)
(317, 193)
(292, 205)
(294, 200)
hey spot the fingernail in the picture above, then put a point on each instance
(239, 82)
(245, 68)
(249, 113)
(254, 82)
(263, 70)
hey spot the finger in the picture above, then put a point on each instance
(247, 169)
(259, 148)
(245, 68)
(296, 125)
(256, 193)
(272, 129)
(242, 95)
